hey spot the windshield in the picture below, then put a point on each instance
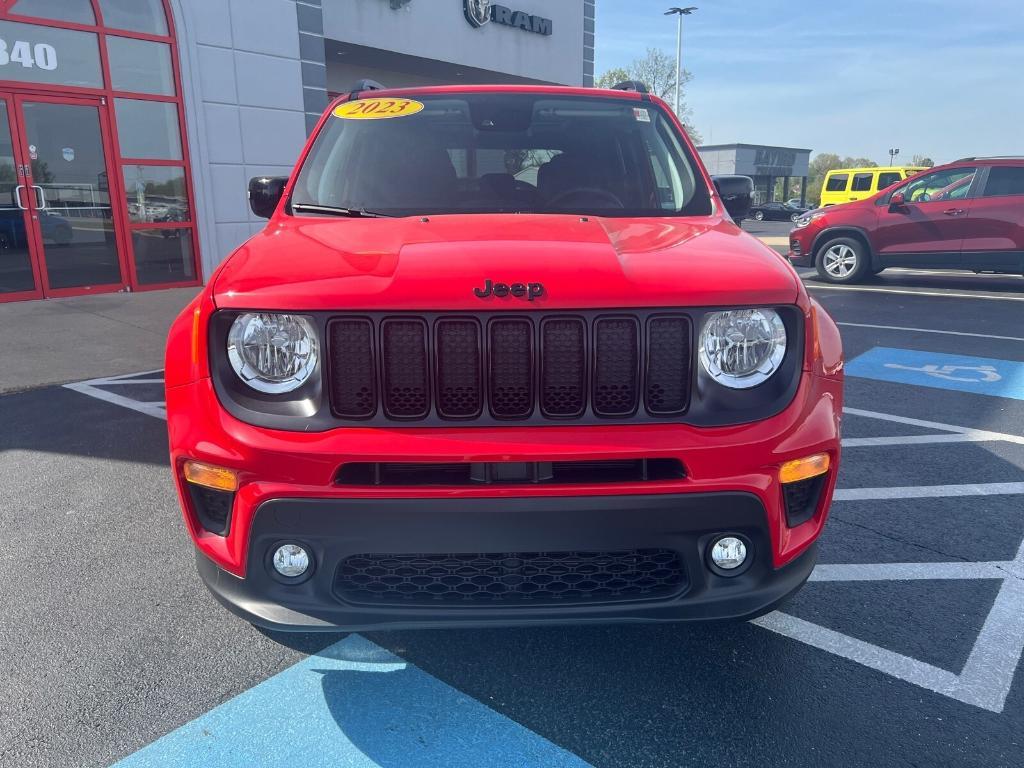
(502, 153)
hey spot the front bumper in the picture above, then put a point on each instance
(333, 530)
(800, 249)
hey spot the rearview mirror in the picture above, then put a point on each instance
(737, 193)
(897, 201)
(265, 193)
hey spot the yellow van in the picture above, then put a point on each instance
(845, 184)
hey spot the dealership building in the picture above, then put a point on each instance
(129, 128)
(764, 164)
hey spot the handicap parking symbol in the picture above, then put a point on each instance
(975, 373)
(978, 375)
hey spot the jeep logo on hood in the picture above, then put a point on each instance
(528, 291)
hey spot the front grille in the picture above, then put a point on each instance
(548, 368)
(533, 578)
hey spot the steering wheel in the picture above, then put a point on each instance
(592, 191)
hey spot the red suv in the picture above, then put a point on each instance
(965, 215)
(501, 355)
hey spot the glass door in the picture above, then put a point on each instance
(19, 277)
(72, 219)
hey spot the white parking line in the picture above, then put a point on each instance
(987, 676)
(979, 434)
(94, 388)
(932, 330)
(929, 491)
(944, 295)
(866, 442)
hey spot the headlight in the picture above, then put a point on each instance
(741, 348)
(273, 353)
(807, 218)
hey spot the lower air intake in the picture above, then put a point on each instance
(534, 578)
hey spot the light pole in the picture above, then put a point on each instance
(679, 12)
(892, 156)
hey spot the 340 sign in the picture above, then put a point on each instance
(42, 55)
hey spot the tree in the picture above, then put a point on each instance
(612, 77)
(656, 70)
(923, 161)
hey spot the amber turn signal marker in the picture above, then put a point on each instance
(803, 469)
(209, 476)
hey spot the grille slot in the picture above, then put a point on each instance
(668, 365)
(354, 380)
(511, 369)
(533, 578)
(406, 392)
(563, 367)
(434, 368)
(510, 473)
(617, 366)
(459, 377)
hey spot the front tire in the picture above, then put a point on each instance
(842, 260)
(759, 215)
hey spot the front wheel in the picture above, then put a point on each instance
(794, 218)
(759, 215)
(842, 260)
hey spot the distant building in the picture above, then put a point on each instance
(764, 164)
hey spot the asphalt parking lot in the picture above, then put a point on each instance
(903, 650)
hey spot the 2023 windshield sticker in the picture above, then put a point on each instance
(377, 109)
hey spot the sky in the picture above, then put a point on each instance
(940, 78)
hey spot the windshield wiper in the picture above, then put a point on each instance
(355, 213)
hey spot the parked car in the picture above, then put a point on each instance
(776, 212)
(406, 405)
(964, 215)
(845, 185)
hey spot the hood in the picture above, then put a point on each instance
(436, 263)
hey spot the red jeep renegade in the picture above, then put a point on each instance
(501, 355)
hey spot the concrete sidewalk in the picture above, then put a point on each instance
(61, 340)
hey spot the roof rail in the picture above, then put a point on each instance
(990, 157)
(635, 86)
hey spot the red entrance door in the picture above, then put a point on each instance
(62, 233)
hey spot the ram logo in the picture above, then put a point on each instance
(478, 12)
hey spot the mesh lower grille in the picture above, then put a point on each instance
(506, 578)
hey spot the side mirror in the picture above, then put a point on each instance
(737, 193)
(898, 201)
(265, 193)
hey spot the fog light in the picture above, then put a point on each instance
(728, 553)
(291, 560)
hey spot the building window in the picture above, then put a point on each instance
(156, 193)
(135, 15)
(76, 11)
(32, 53)
(140, 66)
(148, 129)
(120, 58)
